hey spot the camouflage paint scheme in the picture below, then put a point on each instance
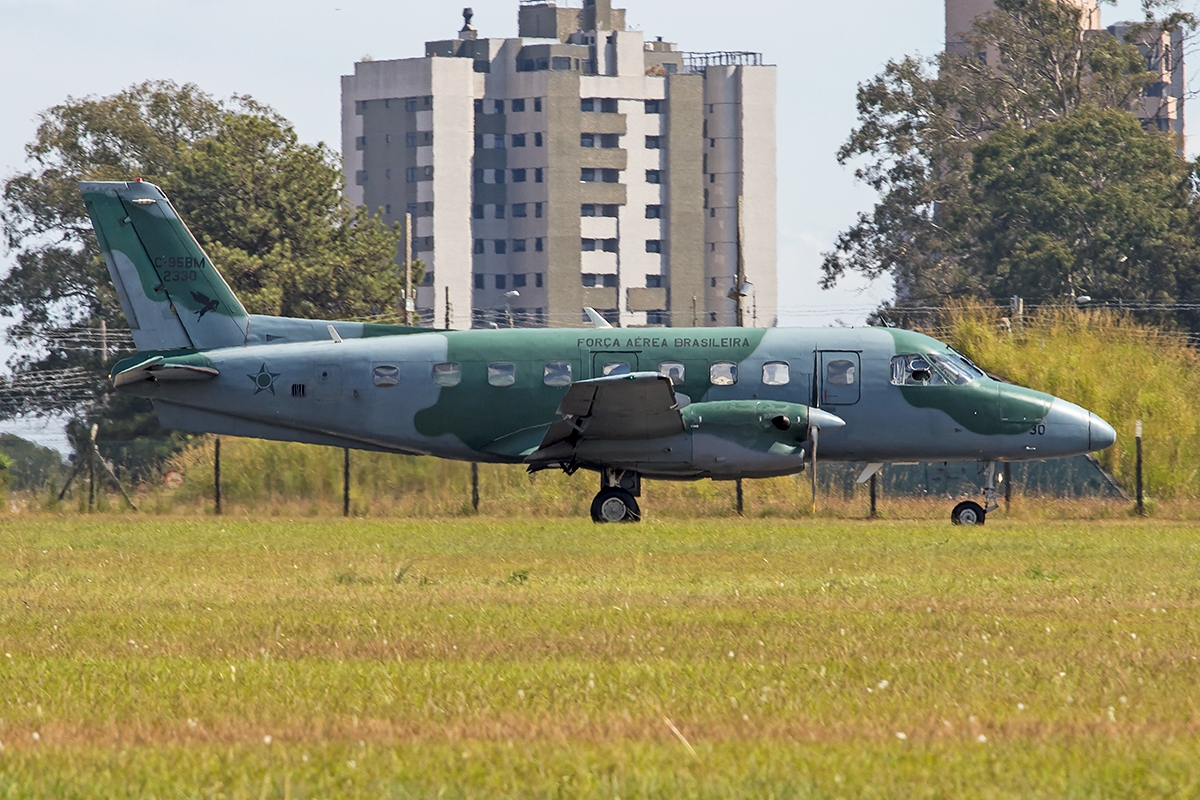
(211, 367)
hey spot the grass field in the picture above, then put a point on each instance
(175, 657)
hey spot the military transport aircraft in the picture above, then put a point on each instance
(663, 403)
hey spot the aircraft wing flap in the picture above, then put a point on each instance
(640, 405)
(158, 368)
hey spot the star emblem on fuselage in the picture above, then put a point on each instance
(264, 381)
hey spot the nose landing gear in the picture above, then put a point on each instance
(617, 499)
(969, 512)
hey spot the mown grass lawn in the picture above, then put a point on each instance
(168, 657)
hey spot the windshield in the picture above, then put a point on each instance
(957, 369)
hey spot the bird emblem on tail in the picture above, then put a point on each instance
(208, 304)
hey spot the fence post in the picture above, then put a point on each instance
(874, 494)
(345, 481)
(217, 477)
(740, 499)
(1007, 485)
(1141, 499)
(475, 486)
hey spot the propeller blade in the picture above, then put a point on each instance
(813, 433)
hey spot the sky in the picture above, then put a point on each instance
(290, 53)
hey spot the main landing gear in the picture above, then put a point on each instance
(616, 501)
(969, 512)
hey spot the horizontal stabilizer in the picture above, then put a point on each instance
(160, 368)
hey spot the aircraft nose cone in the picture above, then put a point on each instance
(1100, 433)
(823, 420)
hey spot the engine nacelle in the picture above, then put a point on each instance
(722, 439)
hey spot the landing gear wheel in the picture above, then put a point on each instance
(615, 505)
(968, 512)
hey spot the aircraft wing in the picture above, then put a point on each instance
(158, 368)
(640, 405)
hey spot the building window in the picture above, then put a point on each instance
(585, 104)
(410, 175)
(410, 139)
(610, 140)
(654, 176)
(609, 210)
(498, 107)
(560, 63)
(537, 276)
(587, 210)
(653, 212)
(537, 140)
(498, 141)
(654, 281)
(499, 176)
(610, 175)
(608, 245)
(537, 106)
(478, 280)
(479, 246)
(587, 140)
(501, 281)
(608, 105)
(410, 104)
(412, 208)
(586, 175)
(478, 106)
(361, 141)
(518, 140)
(656, 318)
(362, 176)
(387, 138)
(518, 280)
(518, 106)
(588, 245)
(519, 210)
(387, 209)
(538, 246)
(387, 174)
(479, 176)
(518, 175)
(518, 247)
(479, 141)
(537, 175)
(654, 106)
(477, 211)
(589, 279)
(501, 247)
(654, 245)
(499, 211)
(537, 207)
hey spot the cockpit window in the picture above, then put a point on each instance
(957, 369)
(915, 370)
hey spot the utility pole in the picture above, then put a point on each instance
(448, 314)
(346, 482)
(103, 342)
(694, 321)
(217, 477)
(739, 294)
(410, 303)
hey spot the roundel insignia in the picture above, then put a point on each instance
(264, 379)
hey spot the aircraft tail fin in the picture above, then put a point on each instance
(171, 293)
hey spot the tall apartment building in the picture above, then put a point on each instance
(1161, 107)
(576, 165)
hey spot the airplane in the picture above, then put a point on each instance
(661, 403)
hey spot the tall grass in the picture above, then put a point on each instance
(1109, 364)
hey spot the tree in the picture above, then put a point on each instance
(921, 124)
(267, 208)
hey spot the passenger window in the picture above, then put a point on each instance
(502, 374)
(557, 373)
(673, 370)
(447, 374)
(615, 368)
(840, 373)
(722, 373)
(386, 375)
(915, 371)
(776, 373)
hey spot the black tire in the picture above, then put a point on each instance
(615, 505)
(968, 512)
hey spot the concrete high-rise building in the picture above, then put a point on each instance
(576, 165)
(1160, 107)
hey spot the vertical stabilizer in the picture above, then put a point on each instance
(171, 293)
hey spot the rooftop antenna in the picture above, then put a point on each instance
(468, 30)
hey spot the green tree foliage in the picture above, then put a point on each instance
(924, 142)
(267, 208)
(31, 465)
